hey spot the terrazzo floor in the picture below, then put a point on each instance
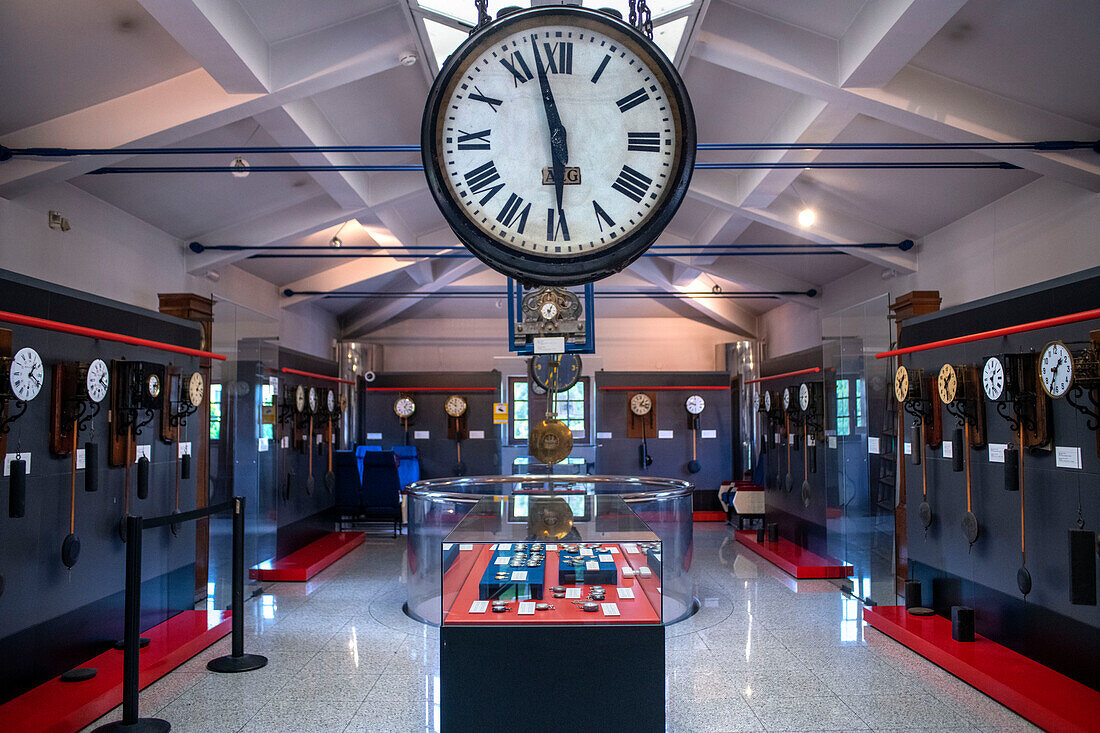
(762, 654)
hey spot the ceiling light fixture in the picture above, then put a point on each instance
(336, 241)
(806, 218)
(408, 58)
(240, 167)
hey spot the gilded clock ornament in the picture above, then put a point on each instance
(558, 142)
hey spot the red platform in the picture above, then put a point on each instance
(705, 515)
(62, 707)
(793, 559)
(313, 558)
(1049, 699)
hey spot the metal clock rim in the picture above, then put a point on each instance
(580, 269)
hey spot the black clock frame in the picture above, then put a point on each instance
(571, 362)
(529, 268)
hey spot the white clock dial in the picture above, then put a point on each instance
(313, 399)
(404, 407)
(695, 404)
(756, 402)
(455, 406)
(620, 138)
(548, 310)
(152, 385)
(767, 401)
(196, 389)
(993, 378)
(804, 396)
(300, 398)
(331, 401)
(640, 404)
(96, 380)
(1056, 369)
(26, 374)
(786, 398)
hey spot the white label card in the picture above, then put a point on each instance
(592, 565)
(479, 606)
(185, 449)
(502, 560)
(832, 441)
(519, 575)
(477, 434)
(872, 445)
(644, 571)
(465, 547)
(790, 439)
(527, 608)
(285, 442)
(374, 436)
(447, 545)
(628, 572)
(603, 436)
(11, 457)
(705, 434)
(610, 609)
(664, 434)
(504, 546)
(606, 558)
(811, 441)
(261, 445)
(586, 552)
(947, 452)
(548, 344)
(625, 594)
(144, 450)
(319, 436)
(551, 548)
(997, 452)
(778, 438)
(614, 550)
(80, 459)
(422, 434)
(908, 448)
(1067, 456)
(572, 592)
(631, 549)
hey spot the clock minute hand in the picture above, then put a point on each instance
(559, 149)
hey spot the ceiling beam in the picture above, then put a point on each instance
(725, 313)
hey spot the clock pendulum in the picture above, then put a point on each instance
(694, 406)
(788, 481)
(1023, 577)
(807, 492)
(924, 511)
(70, 546)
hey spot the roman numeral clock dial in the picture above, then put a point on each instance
(558, 143)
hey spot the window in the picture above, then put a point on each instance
(267, 412)
(859, 403)
(215, 411)
(572, 408)
(842, 421)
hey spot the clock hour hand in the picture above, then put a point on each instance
(559, 149)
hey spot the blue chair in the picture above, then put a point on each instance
(349, 480)
(408, 467)
(381, 494)
(361, 451)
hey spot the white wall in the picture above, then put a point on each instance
(622, 344)
(110, 253)
(789, 328)
(1041, 231)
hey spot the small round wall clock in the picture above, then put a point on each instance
(196, 389)
(555, 372)
(404, 407)
(26, 374)
(767, 401)
(313, 399)
(300, 398)
(993, 378)
(1056, 369)
(455, 406)
(695, 404)
(901, 384)
(804, 396)
(640, 404)
(786, 398)
(96, 380)
(330, 402)
(558, 142)
(947, 383)
(152, 386)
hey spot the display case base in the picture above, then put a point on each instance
(552, 678)
(791, 558)
(301, 565)
(62, 707)
(1047, 698)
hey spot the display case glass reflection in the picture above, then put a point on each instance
(561, 558)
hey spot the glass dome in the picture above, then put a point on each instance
(436, 506)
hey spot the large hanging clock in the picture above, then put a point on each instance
(558, 142)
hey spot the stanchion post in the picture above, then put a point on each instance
(238, 661)
(130, 651)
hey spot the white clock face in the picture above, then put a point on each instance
(993, 378)
(640, 404)
(695, 404)
(786, 398)
(196, 389)
(455, 406)
(300, 398)
(804, 396)
(616, 137)
(404, 407)
(96, 380)
(331, 401)
(26, 374)
(1056, 369)
(548, 310)
(152, 385)
(756, 402)
(313, 399)
(767, 401)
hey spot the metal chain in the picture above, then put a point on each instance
(646, 18)
(633, 14)
(483, 17)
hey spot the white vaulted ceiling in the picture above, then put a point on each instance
(243, 73)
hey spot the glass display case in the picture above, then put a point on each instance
(549, 558)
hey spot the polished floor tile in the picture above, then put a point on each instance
(764, 653)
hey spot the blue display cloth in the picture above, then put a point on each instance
(608, 573)
(491, 588)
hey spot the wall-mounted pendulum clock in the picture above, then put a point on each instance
(694, 406)
(1075, 375)
(21, 379)
(186, 394)
(812, 418)
(404, 408)
(455, 407)
(286, 419)
(915, 392)
(332, 417)
(137, 393)
(558, 142)
(962, 397)
(642, 423)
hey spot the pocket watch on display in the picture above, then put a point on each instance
(640, 404)
(404, 407)
(455, 406)
(694, 404)
(558, 142)
(1056, 369)
(96, 380)
(196, 389)
(947, 383)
